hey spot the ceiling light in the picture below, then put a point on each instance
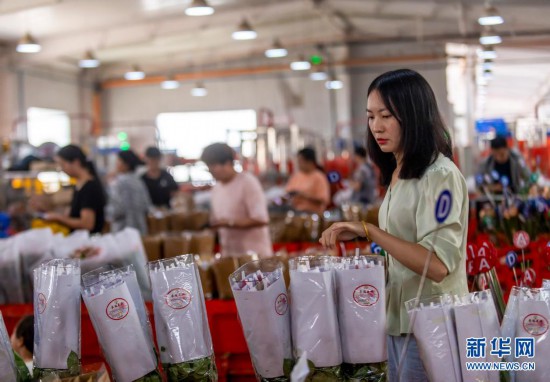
(245, 32)
(334, 84)
(488, 52)
(169, 84)
(135, 74)
(318, 75)
(300, 64)
(489, 37)
(276, 50)
(199, 90)
(28, 44)
(488, 74)
(89, 61)
(488, 64)
(491, 17)
(199, 8)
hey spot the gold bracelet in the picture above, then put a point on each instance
(366, 230)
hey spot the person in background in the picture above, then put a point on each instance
(238, 205)
(128, 197)
(22, 340)
(160, 184)
(401, 108)
(308, 188)
(505, 162)
(89, 199)
(364, 183)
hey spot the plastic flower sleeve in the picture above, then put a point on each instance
(262, 302)
(181, 322)
(435, 335)
(127, 346)
(8, 371)
(546, 284)
(314, 312)
(11, 283)
(130, 277)
(361, 308)
(532, 317)
(476, 317)
(57, 318)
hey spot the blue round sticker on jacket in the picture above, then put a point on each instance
(443, 206)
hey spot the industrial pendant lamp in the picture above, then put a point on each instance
(199, 8)
(28, 44)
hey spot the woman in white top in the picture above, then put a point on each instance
(408, 141)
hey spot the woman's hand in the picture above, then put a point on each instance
(341, 231)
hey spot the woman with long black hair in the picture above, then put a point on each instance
(88, 202)
(408, 141)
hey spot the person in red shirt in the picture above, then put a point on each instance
(308, 188)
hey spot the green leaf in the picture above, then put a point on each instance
(73, 364)
(23, 374)
(73, 369)
(200, 370)
(374, 372)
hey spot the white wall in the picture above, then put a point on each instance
(21, 89)
(292, 98)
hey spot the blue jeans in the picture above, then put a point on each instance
(412, 369)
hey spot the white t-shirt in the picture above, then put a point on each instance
(242, 197)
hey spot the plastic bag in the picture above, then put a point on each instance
(57, 318)
(11, 286)
(361, 308)
(314, 312)
(114, 303)
(360, 284)
(476, 317)
(8, 371)
(527, 315)
(262, 301)
(181, 322)
(435, 334)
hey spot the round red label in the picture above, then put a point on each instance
(281, 304)
(366, 295)
(117, 309)
(178, 298)
(521, 239)
(42, 303)
(535, 324)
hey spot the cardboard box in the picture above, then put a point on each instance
(153, 247)
(174, 245)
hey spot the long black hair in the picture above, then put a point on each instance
(410, 99)
(71, 153)
(25, 330)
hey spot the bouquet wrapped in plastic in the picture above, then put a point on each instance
(433, 328)
(118, 314)
(527, 316)
(314, 314)
(12, 367)
(181, 322)
(11, 283)
(262, 301)
(57, 319)
(360, 284)
(476, 317)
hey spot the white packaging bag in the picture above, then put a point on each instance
(476, 317)
(314, 310)
(56, 313)
(362, 308)
(127, 347)
(262, 302)
(180, 316)
(11, 283)
(533, 322)
(8, 371)
(436, 338)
